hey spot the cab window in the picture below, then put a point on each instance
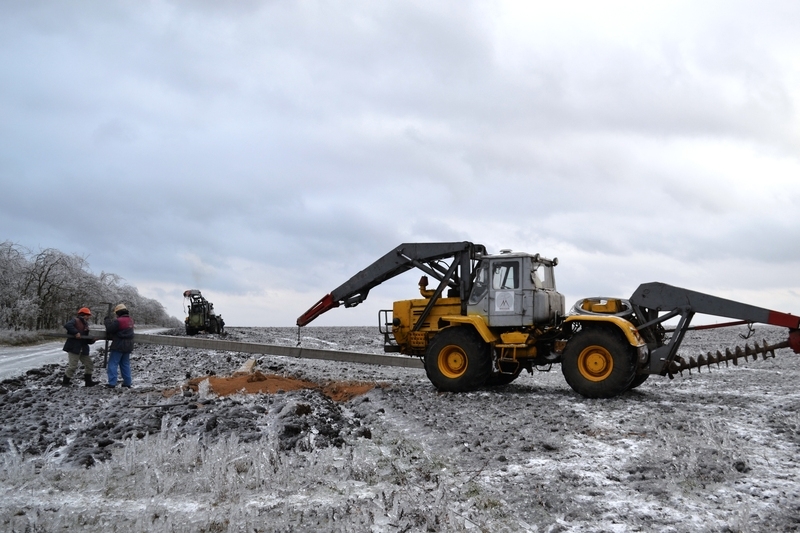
(505, 275)
(542, 276)
(481, 284)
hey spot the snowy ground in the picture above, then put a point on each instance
(712, 452)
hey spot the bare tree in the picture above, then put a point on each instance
(16, 309)
(42, 290)
(54, 280)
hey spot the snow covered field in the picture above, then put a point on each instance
(710, 452)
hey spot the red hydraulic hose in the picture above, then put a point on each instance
(326, 303)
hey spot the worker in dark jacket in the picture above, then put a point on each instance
(77, 347)
(120, 330)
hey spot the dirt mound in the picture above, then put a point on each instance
(258, 382)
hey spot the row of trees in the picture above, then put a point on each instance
(42, 290)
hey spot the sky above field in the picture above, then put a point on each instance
(264, 152)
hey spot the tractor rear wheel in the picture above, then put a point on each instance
(598, 363)
(458, 360)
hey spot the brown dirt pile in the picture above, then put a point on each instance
(258, 382)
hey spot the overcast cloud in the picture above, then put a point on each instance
(264, 152)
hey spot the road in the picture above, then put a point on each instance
(16, 360)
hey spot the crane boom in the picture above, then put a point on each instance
(666, 297)
(424, 256)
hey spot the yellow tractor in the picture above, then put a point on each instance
(491, 316)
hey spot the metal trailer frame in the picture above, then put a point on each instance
(650, 299)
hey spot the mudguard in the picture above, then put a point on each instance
(626, 327)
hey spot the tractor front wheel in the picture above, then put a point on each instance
(641, 378)
(598, 363)
(458, 360)
(499, 379)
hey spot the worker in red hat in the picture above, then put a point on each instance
(77, 347)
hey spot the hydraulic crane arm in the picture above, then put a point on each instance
(427, 257)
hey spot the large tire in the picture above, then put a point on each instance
(638, 380)
(458, 360)
(498, 379)
(598, 363)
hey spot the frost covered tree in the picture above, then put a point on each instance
(17, 310)
(54, 281)
(42, 290)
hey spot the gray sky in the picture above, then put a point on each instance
(264, 152)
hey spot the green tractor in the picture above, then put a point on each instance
(200, 314)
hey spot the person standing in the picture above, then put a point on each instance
(77, 347)
(120, 329)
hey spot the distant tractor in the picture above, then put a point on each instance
(200, 314)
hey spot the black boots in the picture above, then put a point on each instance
(87, 379)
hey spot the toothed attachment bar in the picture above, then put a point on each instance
(733, 356)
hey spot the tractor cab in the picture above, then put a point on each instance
(515, 289)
